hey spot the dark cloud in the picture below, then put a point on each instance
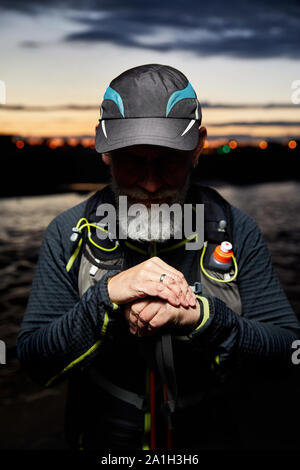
(256, 29)
(29, 44)
(252, 30)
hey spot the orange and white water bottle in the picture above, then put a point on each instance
(221, 258)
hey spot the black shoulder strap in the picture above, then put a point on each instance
(92, 203)
(217, 213)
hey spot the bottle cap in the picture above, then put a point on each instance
(223, 253)
(226, 247)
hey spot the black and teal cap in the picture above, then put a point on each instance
(150, 104)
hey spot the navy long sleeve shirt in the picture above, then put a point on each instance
(62, 331)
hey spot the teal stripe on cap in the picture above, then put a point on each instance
(113, 95)
(179, 95)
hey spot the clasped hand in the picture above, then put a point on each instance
(150, 304)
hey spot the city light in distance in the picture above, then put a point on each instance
(292, 144)
(263, 145)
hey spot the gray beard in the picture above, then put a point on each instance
(151, 224)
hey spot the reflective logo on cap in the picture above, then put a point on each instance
(189, 126)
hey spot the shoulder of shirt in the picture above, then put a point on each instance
(66, 220)
(246, 233)
(241, 220)
(242, 223)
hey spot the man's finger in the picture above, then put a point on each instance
(157, 289)
(186, 296)
(153, 273)
(139, 305)
(162, 317)
(150, 311)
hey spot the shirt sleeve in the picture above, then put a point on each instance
(268, 325)
(60, 330)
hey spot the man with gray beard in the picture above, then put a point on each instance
(146, 330)
(153, 225)
(152, 222)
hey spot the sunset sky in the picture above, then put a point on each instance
(58, 57)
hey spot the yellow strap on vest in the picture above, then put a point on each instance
(162, 250)
(147, 417)
(86, 354)
(205, 305)
(182, 242)
(214, 278)
(80, 227)
(74, 256)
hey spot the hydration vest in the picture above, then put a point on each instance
(95, 262)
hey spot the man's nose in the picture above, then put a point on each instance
(151, 180)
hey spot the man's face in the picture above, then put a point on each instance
(150, 174)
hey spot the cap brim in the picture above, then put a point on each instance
(181, 134)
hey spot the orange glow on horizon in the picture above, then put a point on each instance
(87, 142)
(73, 142)
(70, 123)
(34, 141)
(54, 143)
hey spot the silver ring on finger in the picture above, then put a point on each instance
(161, 279)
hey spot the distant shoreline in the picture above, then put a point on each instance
(39, 169)
(87, 188)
